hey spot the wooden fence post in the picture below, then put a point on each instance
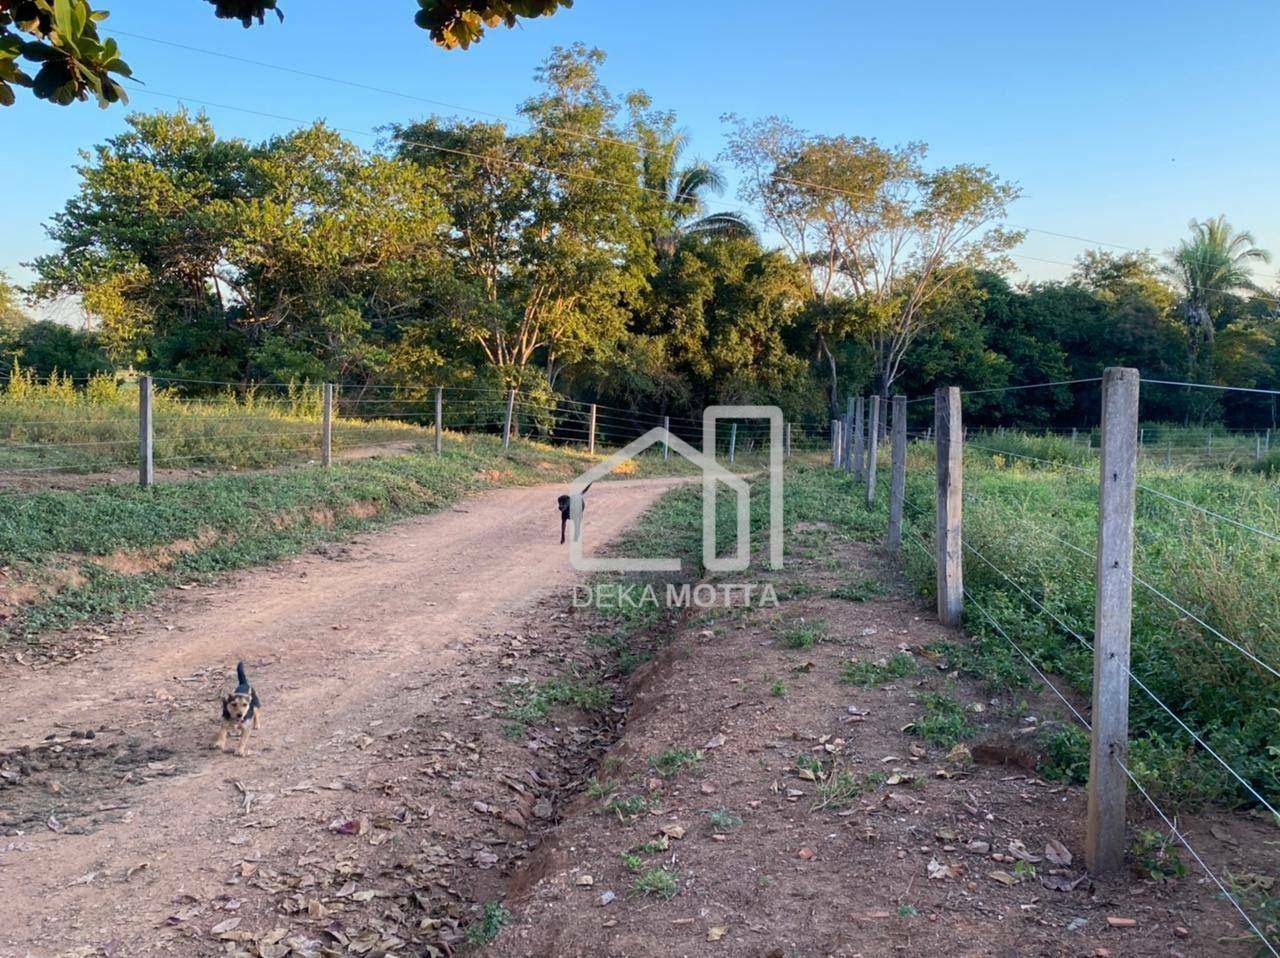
(835, 443)
(439, 418)
(949, 435)
(786, 441)
(591, 431)
(506, 423)
(857, 439)
(733, 440)
(898, 475)
(1113, 607)
(666, 438)
(326, 427)
(848, 436)
(873, 446)
(146, 435)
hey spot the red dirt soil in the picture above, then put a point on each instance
(141, 838)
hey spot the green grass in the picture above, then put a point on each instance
(869, 674)
(487, 928)
(673, 761)
(804, 635)
(657, 883)
(841, 788)
(862, 591)
(530, 703)
(723, 820)
(1037, 524)
(944, 722)
(629, 807)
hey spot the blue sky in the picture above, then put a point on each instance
(1120, 120)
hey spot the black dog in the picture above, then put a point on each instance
(239, 710)
(566, 509)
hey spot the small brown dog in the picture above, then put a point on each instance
(239, 710)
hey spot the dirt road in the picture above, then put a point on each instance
(121, 828)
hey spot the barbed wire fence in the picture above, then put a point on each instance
(1169, 547)
(103, 426)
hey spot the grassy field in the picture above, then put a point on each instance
(1030, 530)
(1163, 446)
(55, 425)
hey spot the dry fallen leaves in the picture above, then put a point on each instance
(1057, 852)
(716, 932)
(940, 871)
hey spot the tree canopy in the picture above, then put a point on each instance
(583, 255)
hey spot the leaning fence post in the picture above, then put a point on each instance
(146, 435)
(1113, 607)
(857, 439)
(666, 438)
(506, 423)
(873, 444)
(835, 443)
(326, 427)
(950, 496)
(439, 418)
(591, 431)
(898, 475)
(733, 440)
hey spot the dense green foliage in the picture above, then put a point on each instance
(583, 257)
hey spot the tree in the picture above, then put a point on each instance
(74, 61)
(1211, 266)
(545, 223)
(873, 224)
(12, 316)
(682, 192)
(721, 309)
(198, 253)
(47, 347)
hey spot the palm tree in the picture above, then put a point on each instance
(685, 189)
(1210, 266)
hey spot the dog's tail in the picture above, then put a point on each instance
(241, 678)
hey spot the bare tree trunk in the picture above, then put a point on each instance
(834, 399)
